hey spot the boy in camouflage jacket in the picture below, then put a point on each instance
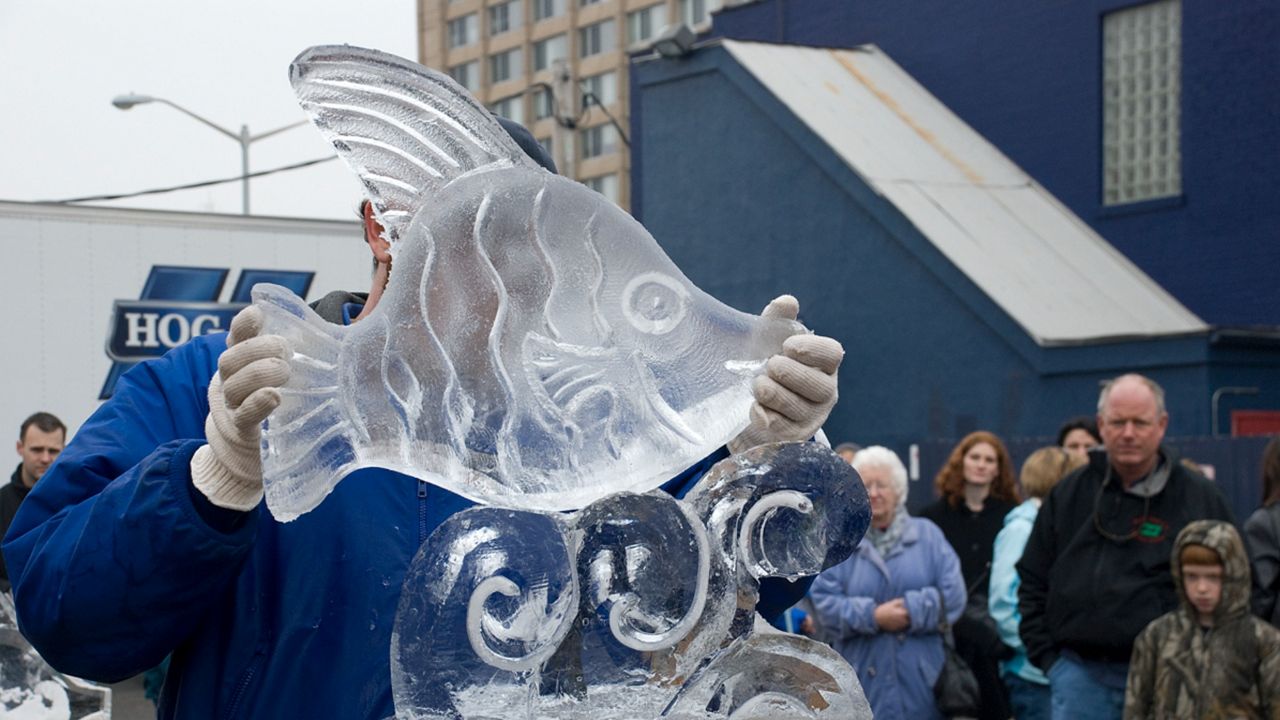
(1210, 658)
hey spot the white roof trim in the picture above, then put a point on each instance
(1056, 277)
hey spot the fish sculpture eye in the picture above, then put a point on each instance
(654, 303)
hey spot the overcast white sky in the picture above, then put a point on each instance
(227, 60)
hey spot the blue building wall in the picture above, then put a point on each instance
(1027, 76)
(750, 204)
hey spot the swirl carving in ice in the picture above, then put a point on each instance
(533, 341)
(635, 607)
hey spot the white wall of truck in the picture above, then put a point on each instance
(64, 267)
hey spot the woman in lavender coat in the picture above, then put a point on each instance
(882, 605)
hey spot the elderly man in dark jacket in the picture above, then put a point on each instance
(1096, 568)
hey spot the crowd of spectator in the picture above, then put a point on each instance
(1109, 582)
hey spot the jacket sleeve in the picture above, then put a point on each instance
(1264, 557)
(1139, 689)
(1002, 595)
(948, 588)
(1033, 588)
(842, 614)
(112, 562)
(1269, 671)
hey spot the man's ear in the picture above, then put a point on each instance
(378, 245)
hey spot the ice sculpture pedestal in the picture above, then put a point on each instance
(636, 606)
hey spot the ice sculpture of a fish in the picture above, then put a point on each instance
(534, 345)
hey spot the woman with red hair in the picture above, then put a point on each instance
(977, 490)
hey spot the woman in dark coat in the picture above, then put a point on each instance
(977, 490)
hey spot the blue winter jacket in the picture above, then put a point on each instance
(897, 670)
(1002, 598)
(117, 561)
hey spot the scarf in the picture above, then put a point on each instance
(887, 539)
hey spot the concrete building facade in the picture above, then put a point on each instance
(558, 67)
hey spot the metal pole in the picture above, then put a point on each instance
(244, 166)
(1217, 395)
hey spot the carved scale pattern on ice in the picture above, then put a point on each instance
(533, 346)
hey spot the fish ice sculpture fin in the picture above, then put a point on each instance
(310, 407)
(390, 121)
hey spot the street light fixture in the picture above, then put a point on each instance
(126, 102)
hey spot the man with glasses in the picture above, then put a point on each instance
(1096, 568)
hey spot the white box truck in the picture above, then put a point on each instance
(94, 290)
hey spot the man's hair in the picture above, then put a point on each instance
(1044, 468)
(1087, 424)
(1152, 385)
(852, 447)
(1195, 554)
(46, 422)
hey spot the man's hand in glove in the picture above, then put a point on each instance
(242, 393)
(796, 393)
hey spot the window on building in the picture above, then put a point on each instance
(467, 75)
(543, 9)
(543, 104)
(506, 65)
(606, 185)
(545, 142)
(596, 39)
(1141, 91)
(504, 17)
(645, 23)
(584, 3)
(511, 108)
(698, 12)
(597, 141)
(546, 52)
(600, 89)
(463, 31)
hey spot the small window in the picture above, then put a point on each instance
(506, 65)
(545, 142)
(504, 17)
(511, 108)
(544, 104)
(600, 89)
(1141, 102)
(596, 39)
(606, 185)
(467, 75)
(463, 31)
(584, 3)
(697, 12)
(546, 52)
(543, 9)
(597, 141)
(643, 24)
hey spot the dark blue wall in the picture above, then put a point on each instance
(1027, 76)
(750, 204)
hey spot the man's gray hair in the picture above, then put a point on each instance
(1152, 385)
(879, 456)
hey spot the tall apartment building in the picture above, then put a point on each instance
(558, 67)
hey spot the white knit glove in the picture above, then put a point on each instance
(242, 394)
(798, 390)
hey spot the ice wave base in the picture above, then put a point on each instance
(637, 606)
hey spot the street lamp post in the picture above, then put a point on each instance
(125, 102)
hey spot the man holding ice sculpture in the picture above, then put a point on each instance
(149, 537)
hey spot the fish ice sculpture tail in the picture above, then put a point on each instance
(533, 345)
